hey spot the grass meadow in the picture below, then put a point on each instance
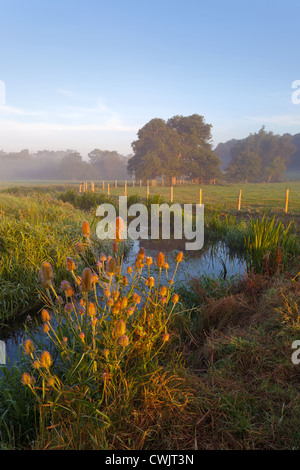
(125, 360)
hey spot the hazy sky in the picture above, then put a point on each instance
(85, 74)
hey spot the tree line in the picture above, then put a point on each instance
(62, 165)
(180, 147)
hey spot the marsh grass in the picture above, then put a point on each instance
(270, 245)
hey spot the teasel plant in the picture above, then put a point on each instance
(107, 335)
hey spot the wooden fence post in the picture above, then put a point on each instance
(240, 200)
(287, 200)
(147, 189)
(200, 196)
(171, 193)
(108, 189)
(125, 189)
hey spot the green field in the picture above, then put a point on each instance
(259, 197)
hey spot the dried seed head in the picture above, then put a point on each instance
(46, 360)
(111, 267)
(151, 281)
(119, 228)
(91, 309)
(79, 247)
(179, 257)
(136, 298)
(114, 247)
(27, 379)
(45, 316)
(81, 336)
(166, 337)
(141, 253)
(68, 307)
(46, 328)
(175, 298)
(71, 266)
(47, 271)
(160, 261)
(123, 341)
(130, 311)
(28, 347)
(106, 353)
(51, 381)
(124, 303)
(129, 270)
(149, 261)
(163, 291)
(120, 328)
(102, 257)
(65, 285)
(86, 280)
(107, 293)
(86, 229)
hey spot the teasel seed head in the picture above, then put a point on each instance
(86, 229)
(46, 360)
(45, 315)
(179, 257)
(163, 291)
(111, 267)
(71, 266)
(120, 328)
(123, 341)
(29, 347)
(106, 353)
(119, 228)
(27, 379)
(175, 298)
(141, 253)
(79, 247)
(160, 261)
(47, 271)
(86, 280)
(92, 309)
(166, 337)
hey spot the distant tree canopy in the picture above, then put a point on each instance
(66, 165)
(260, 157)
(178, 147)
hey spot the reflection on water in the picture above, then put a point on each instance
(213, 260)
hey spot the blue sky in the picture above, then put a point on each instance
(85, 74)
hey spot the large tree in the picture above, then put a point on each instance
(179, 147)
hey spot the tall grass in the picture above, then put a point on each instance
(270, 245)
(31, 230)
